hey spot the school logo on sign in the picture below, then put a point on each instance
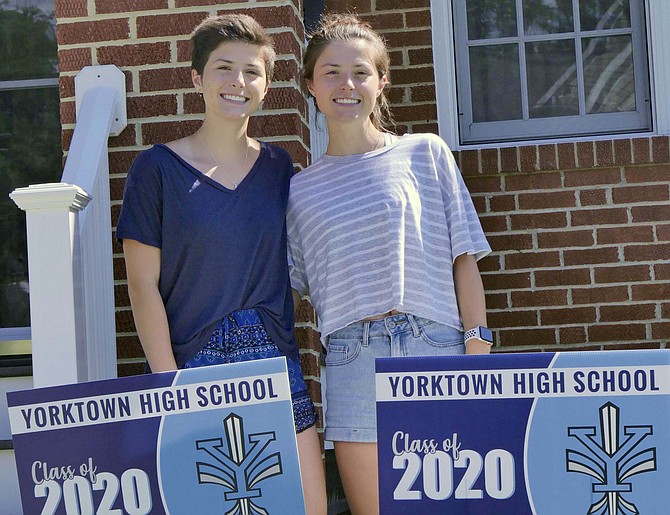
(612, 460)
(239, 469)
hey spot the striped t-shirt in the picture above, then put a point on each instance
(374, 232)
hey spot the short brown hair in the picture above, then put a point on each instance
(214, 30)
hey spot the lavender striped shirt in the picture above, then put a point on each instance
(379, 231)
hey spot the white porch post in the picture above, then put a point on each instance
(59, 347)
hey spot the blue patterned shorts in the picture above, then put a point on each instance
(240, 337)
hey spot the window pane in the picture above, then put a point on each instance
(27, 40)
(604, 14)
(490, 19)
(552, 78)
(496, 87)
(609, 80)
(547, 16)
(30, 153)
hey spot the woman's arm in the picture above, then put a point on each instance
(470, 299)
(143, 269)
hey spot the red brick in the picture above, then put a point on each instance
(651, 291)
(304, 312)
(505, 281)
(651, 213)
(547, 157)
(627, 312)
(413, 38)
(625, 234)
(296, 149)
(289, 124)
(124, 321)
(592, 197)
(599, 294)
(135, 55)
(585, 154)
(493, 224)
(70, 9)
(565, 316)
(599, 216)
(604, 153)
(523, 221)
(533, 260)
(74, 59)
(552, 200)
(160, 132)
(591, 256)
(385, 21)
(592, 177)
(512, 318)
(310, 365)
(661, 331)
(67, 112)
(119, 266)
(127, 369)
(193, 3)
(343, 6)
(119, 162)
(497, 301)
(562, 277)
(307, 338)
(563, 239)
(616, 332)
(566, 156)
(423, 93)
(525, 337)
(641, 150)
(630, 194)
(418, 18)
(509, 159)
(623, 151)
(126, 6)
(165, 79)
(510, 242)
(414, 75)
(545, 297)
(660, 149)
(621, 274)
(127, 138)
(528, 160)
(128, 347)
(572, 335)
(500, 203)
(647, 174)
(632, 346)
(662, 271)
(534, 181)
(663, 232)
(156, 25)
(392, 5)
(469, 162)
(658, 252)
(92, 31)
(151, 106)
(422, 112)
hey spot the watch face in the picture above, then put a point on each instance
(486, 334)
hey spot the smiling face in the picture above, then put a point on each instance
(233, 82)
(345, 82)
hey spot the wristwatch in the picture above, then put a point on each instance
(481, 333)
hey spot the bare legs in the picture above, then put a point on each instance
(313, 476)
(357, 463)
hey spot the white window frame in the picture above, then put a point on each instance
(658, 41)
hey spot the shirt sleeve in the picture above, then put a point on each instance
(465, 229)
(296, 263)
(141, 211)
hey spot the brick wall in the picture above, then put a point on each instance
(580, 231)
(149, 41)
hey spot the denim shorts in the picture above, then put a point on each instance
(350, 367)
(241, 336)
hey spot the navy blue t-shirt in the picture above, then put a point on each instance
(221, 250)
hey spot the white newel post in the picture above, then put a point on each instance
(59, 347)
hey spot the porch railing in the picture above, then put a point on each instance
(69, 244)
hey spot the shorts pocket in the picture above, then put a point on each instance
(342, 351)
(439, 335)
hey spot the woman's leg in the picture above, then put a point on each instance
(311, 469)
(357, 463)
